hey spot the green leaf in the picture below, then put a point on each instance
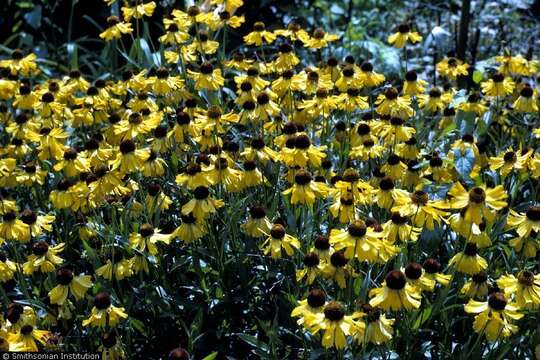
(73, 55)
(477, 76)
(253, 341)
(212, 356)
(464, 162)
(422, 317)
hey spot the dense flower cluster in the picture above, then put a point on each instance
(146, 162)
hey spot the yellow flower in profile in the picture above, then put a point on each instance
(24, 340)
(311, 269)
(138, 11)
(299, 151)
(525, 288)
(115, 29)
(379, 329)
(319, 39)
(147, 239)
(44, 258)
(259, 35)
(7, 268)
(432, 269)
(526, 102)
(343, 207)
(104, 314)
(395, 293)
(525, 223)
(208, 78)
(129, 159)
(480, 202)
(258, 224)
(19, 63)
(369, 77)
(12, 228)
(305, 191)
(415, 275)
(338, 268)
(494, 317)
(498, 86)
(468, 261)
(477, 287)
(403, 35)
(119, 269)
(277, 240)
(67, 282)
(513, 65)
(202, 205)
(313, 304)
(190, 230)
(412, 85)
(452, 68)
(336, 326)
(398, 229)
(435, 101)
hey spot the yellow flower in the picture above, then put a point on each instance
(412, 85)
(404, 35)
(432, 271)
(302, 152)
(121, 269)
(12, 228)
(378, 328)
(44, 258)
(494, 317)
(147, 238)
(421, 209)
(498, 86)
(138, 11)
(390, 103)
(77, 285)
(477, 287)
(452, 68)
(313, 304)
(258, 224)
(208, 78)
(304, 191)
(337, 269)
(104, 314)
(277, 240)
(311, 269)
(525, 288)
(336, 326)
(319, 39)
(507, 162)
(525, 223)
(203, 205)
(415, 275)
(129, 159)
(395, 293)
(259, 35)
(116, 29)
(526, 102)
(24, 340)
(361, 242)
(468, 261)
(190, 230)
(479, 202)
(397, 229)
